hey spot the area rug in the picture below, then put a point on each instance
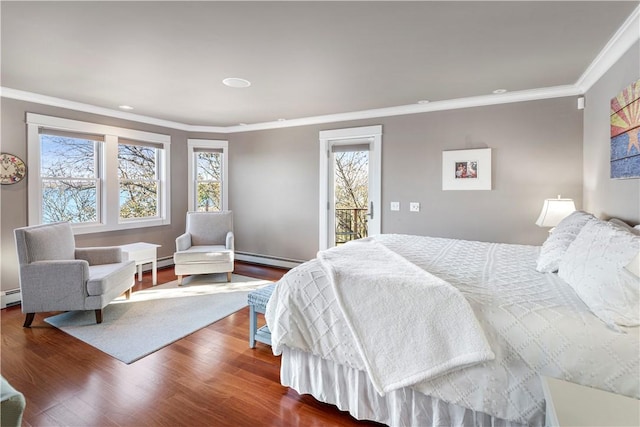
(156, 317)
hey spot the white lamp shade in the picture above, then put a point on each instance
(554, 211)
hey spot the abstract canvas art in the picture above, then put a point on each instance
(625, 129)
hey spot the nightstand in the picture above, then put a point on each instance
(570, 404)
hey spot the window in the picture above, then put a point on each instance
(138, 180)
(207, 175)
(70, 176)
(208, 181)
(97, 177)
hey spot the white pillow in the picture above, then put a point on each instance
(594, 266)
(634, 266)
(620, 223)
(559, 240)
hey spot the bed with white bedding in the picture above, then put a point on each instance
(478, 366)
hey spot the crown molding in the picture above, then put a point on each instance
(450, 104)
(21, 95)
(622, 40)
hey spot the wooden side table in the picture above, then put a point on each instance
(570, 404)
(143, 253)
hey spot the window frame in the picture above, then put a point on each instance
(199, 145)
(109, 204)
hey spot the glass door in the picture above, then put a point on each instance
(350, 184)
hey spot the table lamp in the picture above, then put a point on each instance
(554, 211)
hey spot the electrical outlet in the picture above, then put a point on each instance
(395, 206)
(414, 207)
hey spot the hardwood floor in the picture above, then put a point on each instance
(209, 378)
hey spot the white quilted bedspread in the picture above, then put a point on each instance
(534, 323)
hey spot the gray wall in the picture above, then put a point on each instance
(13, 198)
(604, 196)
(274, 177)
(273, 191)
(533, 147)
(537, 151)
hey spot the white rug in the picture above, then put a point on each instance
(155, 317)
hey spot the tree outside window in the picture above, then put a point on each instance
(138, 181)
(351, 194)
(97, 177)
(70, 179)
(208, 181)
(208, 171)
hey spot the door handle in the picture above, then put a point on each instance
(370, 213)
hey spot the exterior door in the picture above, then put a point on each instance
(350, 184)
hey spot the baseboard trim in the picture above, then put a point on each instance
(267, 260)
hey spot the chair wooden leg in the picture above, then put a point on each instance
(229, 276)
(179, 279)
(28, 320)
(99, 316)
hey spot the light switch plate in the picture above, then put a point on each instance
(395, 206)
(414, 207)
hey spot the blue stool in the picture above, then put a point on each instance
(257, 301)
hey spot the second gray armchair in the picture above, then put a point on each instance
(207, 246)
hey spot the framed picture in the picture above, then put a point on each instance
(625, 133)
(466, 169)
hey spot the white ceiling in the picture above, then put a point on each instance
(304, 59)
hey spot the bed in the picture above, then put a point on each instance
(517, 324)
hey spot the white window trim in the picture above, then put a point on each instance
(213, 144)
(109, 202)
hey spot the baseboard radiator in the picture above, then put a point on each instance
(243, 256)
(10, 298)
(267, 260)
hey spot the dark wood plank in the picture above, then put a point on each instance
(210, 377)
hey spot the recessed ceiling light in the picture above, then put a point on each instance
(236, 82)
(499, 91)
(125, 107)
(423, 101)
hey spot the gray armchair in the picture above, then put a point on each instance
(207, 246)
(57, 276)
(12, 404)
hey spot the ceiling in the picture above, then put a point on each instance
(304, 59)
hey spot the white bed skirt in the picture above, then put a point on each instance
(350, 390)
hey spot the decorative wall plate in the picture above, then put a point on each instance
(12, 169)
